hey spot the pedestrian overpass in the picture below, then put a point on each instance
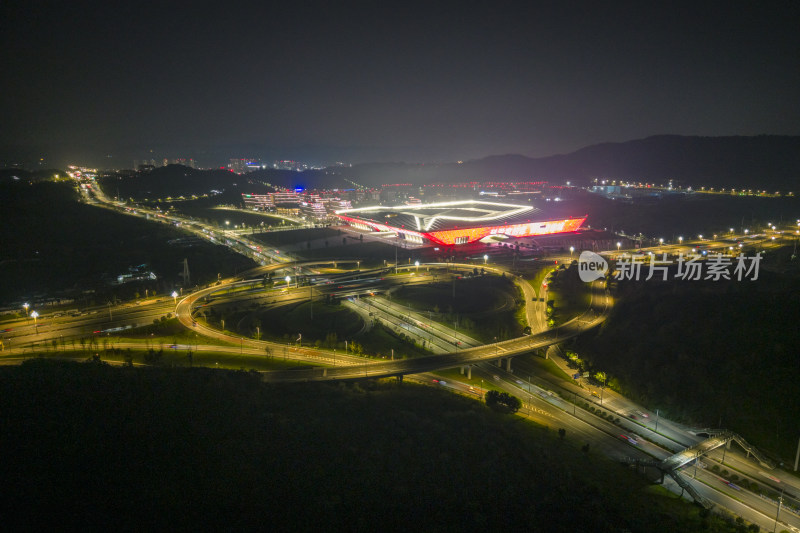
(717, 438)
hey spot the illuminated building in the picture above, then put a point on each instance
(262, 202)
(458, 222)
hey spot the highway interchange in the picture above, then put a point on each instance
(639, 434)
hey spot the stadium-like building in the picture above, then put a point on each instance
(459, 222)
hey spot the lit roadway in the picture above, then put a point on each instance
(596, 314)
(22, 332)
(635, 438)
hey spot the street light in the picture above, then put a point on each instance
(34, 314)
(416, 264)
(661, 241)
(571, 249)
(288, 280)
(618, 245)
(175, 297)
(486, 257)
(680, 240)
(26, 305)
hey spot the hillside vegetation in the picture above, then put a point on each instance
(709, 353)
(142, 449)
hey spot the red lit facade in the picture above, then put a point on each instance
(468, 235)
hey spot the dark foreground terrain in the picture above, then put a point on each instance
(93, 447)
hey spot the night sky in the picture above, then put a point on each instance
(389, 81)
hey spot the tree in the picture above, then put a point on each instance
(502, 401)
(491, 398)
(331, 339)
(601, 377)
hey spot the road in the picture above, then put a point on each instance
(638, 437)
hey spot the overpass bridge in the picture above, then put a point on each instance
(717, 438)
(504, 350)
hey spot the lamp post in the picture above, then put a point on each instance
(780, 502)
(680, 240)
(618, 245)
(571, 249)
(416, 264)
(485, 258)
(26, 305)
(34, 314)
(175, 297)
(288, 280)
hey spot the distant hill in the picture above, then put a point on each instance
(18, 174)
(762, 162)
(765, 161)
(177, 180)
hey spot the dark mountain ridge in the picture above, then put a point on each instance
(764, 161)
(770, 162)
